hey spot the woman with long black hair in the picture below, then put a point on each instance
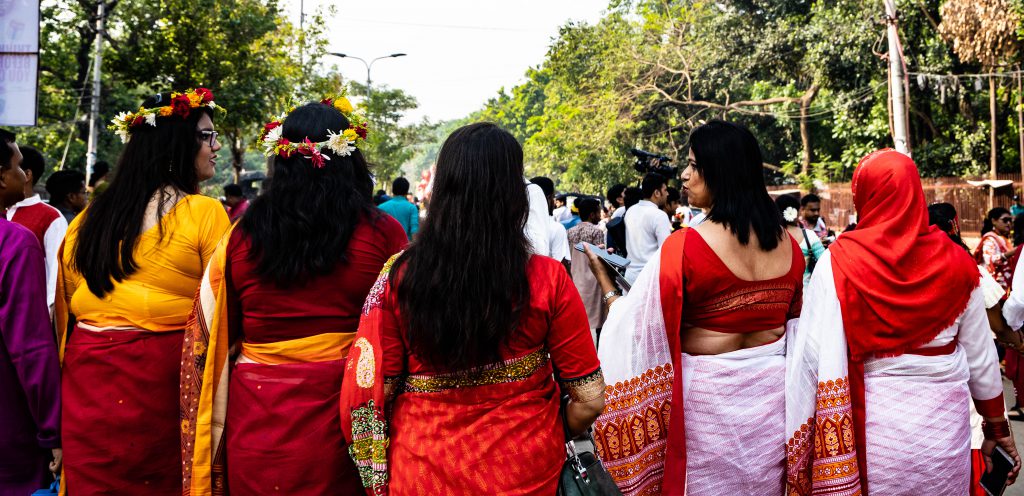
(449, 389)
(697, 348)
(130, 265)
(994, 251)
(287, 288)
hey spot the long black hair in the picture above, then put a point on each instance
(301, 226)
(943, 216)
(462, 285)
(155, 157)
(728, 157)
(993, 214)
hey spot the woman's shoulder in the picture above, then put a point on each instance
(203, 202)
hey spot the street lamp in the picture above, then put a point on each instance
(368, 65)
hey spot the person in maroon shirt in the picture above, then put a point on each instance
(291, 277)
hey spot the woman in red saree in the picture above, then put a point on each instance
(285, 289)
(130, 265)
(451, 384)
(696, 351)
(994, 252)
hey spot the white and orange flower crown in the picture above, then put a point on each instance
(342, 142)
(181, 105)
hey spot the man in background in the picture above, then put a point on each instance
(68, 193)
(587, 231)
(236, 202)
(45, 222)
(29, 369)
(810, 216)
(401, 208)
(557, 239)
(672, 207)
(647, 226)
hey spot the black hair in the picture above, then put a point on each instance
(787, 201)
(102, 168)
(155, 157)
(400, 187)
(943, 215)
(587, 207)
(63, 183)
(546, 185)
(33, 161)
(993, 214)
(729, 160)
(478, 261)
(232, 190)
(651, 183)
(614, 193)
(6, 154)
(809, 198)
(631, 196)
(673, 195)
(290, 244)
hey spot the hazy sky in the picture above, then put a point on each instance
(460, 52)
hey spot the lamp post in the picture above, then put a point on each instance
(368, 65)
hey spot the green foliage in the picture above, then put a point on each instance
(256, 62)
(652, 70)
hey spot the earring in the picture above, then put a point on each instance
(170, 166)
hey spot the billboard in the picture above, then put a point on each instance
(19, 61)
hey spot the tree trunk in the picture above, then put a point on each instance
(805, 132)
(1020, 121)
(237, 158)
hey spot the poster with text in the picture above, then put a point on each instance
(19, 26)
(19, 60)
(18, 89)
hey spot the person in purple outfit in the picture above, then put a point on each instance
(29, 367)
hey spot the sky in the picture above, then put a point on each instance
(459, 52)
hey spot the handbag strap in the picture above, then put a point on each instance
(810, 251)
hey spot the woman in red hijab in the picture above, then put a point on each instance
(893, 343)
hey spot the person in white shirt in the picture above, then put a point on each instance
(537, 231)
(647, 226)
(616, 197)
(557, 240)
(46, 222)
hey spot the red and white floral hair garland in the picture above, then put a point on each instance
(181, 105)
(341, 142)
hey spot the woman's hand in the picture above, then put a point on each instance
(58, 460)
(1008, 445)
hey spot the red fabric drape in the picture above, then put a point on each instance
(671, 284)
(890, 272)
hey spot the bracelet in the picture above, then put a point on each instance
(995, 430)
(609, 295)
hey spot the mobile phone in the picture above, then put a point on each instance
(994, 482)
(614, 263)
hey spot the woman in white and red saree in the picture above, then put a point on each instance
(696, 350)
(892, 344)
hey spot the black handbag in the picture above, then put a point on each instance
(582, 474)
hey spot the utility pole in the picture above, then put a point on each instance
(896, 77)
(94, 101)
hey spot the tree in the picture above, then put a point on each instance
(389, 144)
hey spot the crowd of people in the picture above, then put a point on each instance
(322, 339)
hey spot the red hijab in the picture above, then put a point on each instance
(900, 281)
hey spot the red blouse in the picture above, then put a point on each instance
(555, 320)
(717, 300)
(329, 303)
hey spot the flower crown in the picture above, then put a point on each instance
(181, 104)
(342, 143)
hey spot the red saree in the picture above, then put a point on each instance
(490, 430)
(106, 447)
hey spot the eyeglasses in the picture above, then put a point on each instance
(210, 137)
(1006, 219)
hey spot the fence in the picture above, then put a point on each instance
(971, 202)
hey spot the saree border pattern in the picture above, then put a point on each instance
(632, 434)
(833, 470)
(512, 370)
(369, 446)
(586, 388)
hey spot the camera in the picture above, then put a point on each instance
(644, 163)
